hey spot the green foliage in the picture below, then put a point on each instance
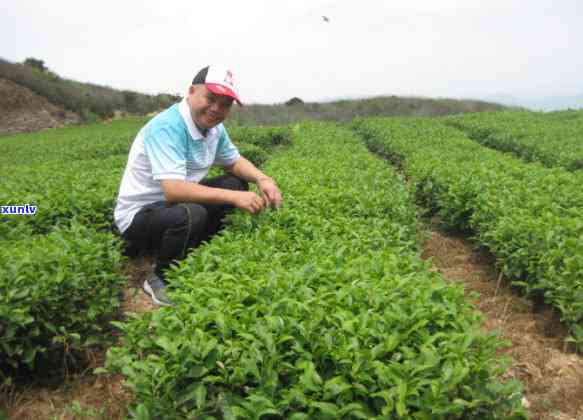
(553, 139)
(68, 144)
(91, 117)
(529, 216)
(58, 293)
(255, 154)
(261, 136)
(84, 191)
(68, 173)
(320, 310)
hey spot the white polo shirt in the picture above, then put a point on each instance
(169, 147)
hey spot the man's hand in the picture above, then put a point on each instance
(270, 192)
(248, 201)
(247, 171)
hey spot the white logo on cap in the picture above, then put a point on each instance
(229, 78)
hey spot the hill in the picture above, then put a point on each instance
(347, 109)
(55, 98)
(23, 110)
(90, 101)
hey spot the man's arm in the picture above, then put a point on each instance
(244, 169)
(178, 191)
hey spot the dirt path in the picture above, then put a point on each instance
(552, 375)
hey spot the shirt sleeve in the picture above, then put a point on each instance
(167, 153)
(227, 152)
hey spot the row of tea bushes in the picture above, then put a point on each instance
(529, 216)
(553, 139)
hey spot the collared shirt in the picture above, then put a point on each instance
(169, 147)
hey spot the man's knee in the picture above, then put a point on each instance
(190, 223)
(196, 216)
(235, 183)
(184, 217)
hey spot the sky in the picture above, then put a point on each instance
(278, 50)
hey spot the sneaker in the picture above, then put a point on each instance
(155, 287)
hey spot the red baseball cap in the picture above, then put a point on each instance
(218, 80)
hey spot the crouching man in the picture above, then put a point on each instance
(165, 203)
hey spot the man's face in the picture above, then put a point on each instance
(208, 109)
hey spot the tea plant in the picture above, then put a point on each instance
(57, 295)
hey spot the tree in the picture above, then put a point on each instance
(35, 63)
(131, 99)
(294, 101)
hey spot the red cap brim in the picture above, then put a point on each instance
(218, 89)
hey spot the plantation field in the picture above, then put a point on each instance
(323, 309)
(554, 139)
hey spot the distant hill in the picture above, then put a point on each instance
(90, 101)
(347, 109)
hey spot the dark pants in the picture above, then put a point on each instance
(172, 228)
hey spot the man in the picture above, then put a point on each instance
(164, 202)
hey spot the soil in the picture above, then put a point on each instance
(22, 110)
(552, 374)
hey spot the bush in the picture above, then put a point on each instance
(88, 116)
(58, 293)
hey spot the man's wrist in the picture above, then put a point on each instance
(230, 196)
(264, 178)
